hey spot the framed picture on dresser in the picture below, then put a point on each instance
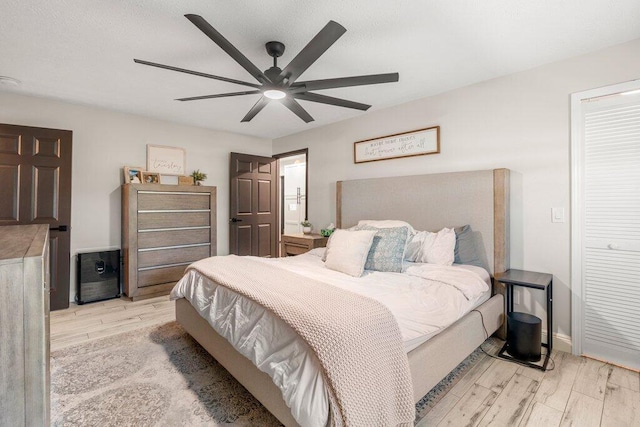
(133, 174)
(150, 178)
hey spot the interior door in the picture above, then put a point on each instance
(611, 230)
(35, 188)
(253, 227)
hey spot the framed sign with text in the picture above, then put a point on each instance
(407, 144)
(166, 160)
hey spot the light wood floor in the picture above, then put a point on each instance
(81, 323)
(578, 392)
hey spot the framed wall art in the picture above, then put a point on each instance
(166, 160)
(407, 144)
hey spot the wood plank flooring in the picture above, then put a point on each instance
(578, 392)
(81, 323)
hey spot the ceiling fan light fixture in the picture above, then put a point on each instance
(274, 94)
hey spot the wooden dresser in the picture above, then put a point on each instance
(296, 244)
(164, 229)
(24, 325)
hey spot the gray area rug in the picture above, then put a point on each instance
(160, 376)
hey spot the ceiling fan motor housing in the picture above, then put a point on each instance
(273, 73)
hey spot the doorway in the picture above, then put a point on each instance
(605, 266)
(292, 190)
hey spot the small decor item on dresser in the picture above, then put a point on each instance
(185, 180)
(150, 178)
(133, 174)
(306, 227)
(326, 232)
(198, 176)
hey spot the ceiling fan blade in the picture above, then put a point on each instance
(344, 82)
(262, 102)
(226, 45)
(312, 51)
(195, 73)
(220, 95)
(323, 99)
(296, 108)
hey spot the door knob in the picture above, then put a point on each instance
(60, 228)
(235, 220)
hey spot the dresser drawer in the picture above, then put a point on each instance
(293, 249)
(160, 275)
(299, 244)
(154, 239)
(163, 200)
(172, 256)
(147, 221)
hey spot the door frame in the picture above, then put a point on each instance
(304, 151)
(577, 202)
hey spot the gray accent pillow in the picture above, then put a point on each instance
(387, 249)
(465, 250)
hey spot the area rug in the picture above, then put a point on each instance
(160, 376)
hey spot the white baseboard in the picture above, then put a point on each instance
(560, 342)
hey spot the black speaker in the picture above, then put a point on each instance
(98, 276)
(524, 336)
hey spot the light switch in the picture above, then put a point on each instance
(557, 214)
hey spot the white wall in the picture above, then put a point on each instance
(520, 122)
(104, 141)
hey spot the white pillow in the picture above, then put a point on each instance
(348, 251)
(433, 248)
(421, 239)
(443, 249)
(386, 223)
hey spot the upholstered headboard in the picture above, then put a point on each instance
(431, 202)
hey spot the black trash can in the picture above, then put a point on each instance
(524, 336)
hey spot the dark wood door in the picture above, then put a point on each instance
(35, 188)
(253, 228)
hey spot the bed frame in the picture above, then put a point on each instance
(428, 202)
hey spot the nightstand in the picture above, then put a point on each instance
(296, 244)
(529, 279)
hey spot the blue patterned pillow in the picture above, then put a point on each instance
(387, 249)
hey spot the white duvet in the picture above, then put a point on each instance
(424, 299)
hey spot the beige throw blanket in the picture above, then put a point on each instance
(356, 339)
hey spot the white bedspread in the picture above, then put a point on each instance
(425, 299)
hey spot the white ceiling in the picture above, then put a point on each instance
(82, 50)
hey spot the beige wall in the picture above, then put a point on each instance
(105, 141)
(520, 122)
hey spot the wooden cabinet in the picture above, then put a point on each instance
(24, 325)
(164, 229)
(296, 244)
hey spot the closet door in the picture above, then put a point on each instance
(611, 229)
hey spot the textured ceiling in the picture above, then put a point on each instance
(82, 50)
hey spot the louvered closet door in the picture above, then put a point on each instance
(611, 218)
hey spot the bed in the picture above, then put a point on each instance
(428, 202)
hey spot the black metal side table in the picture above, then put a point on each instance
(529, 279)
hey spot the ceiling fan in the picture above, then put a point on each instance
(281, 84)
